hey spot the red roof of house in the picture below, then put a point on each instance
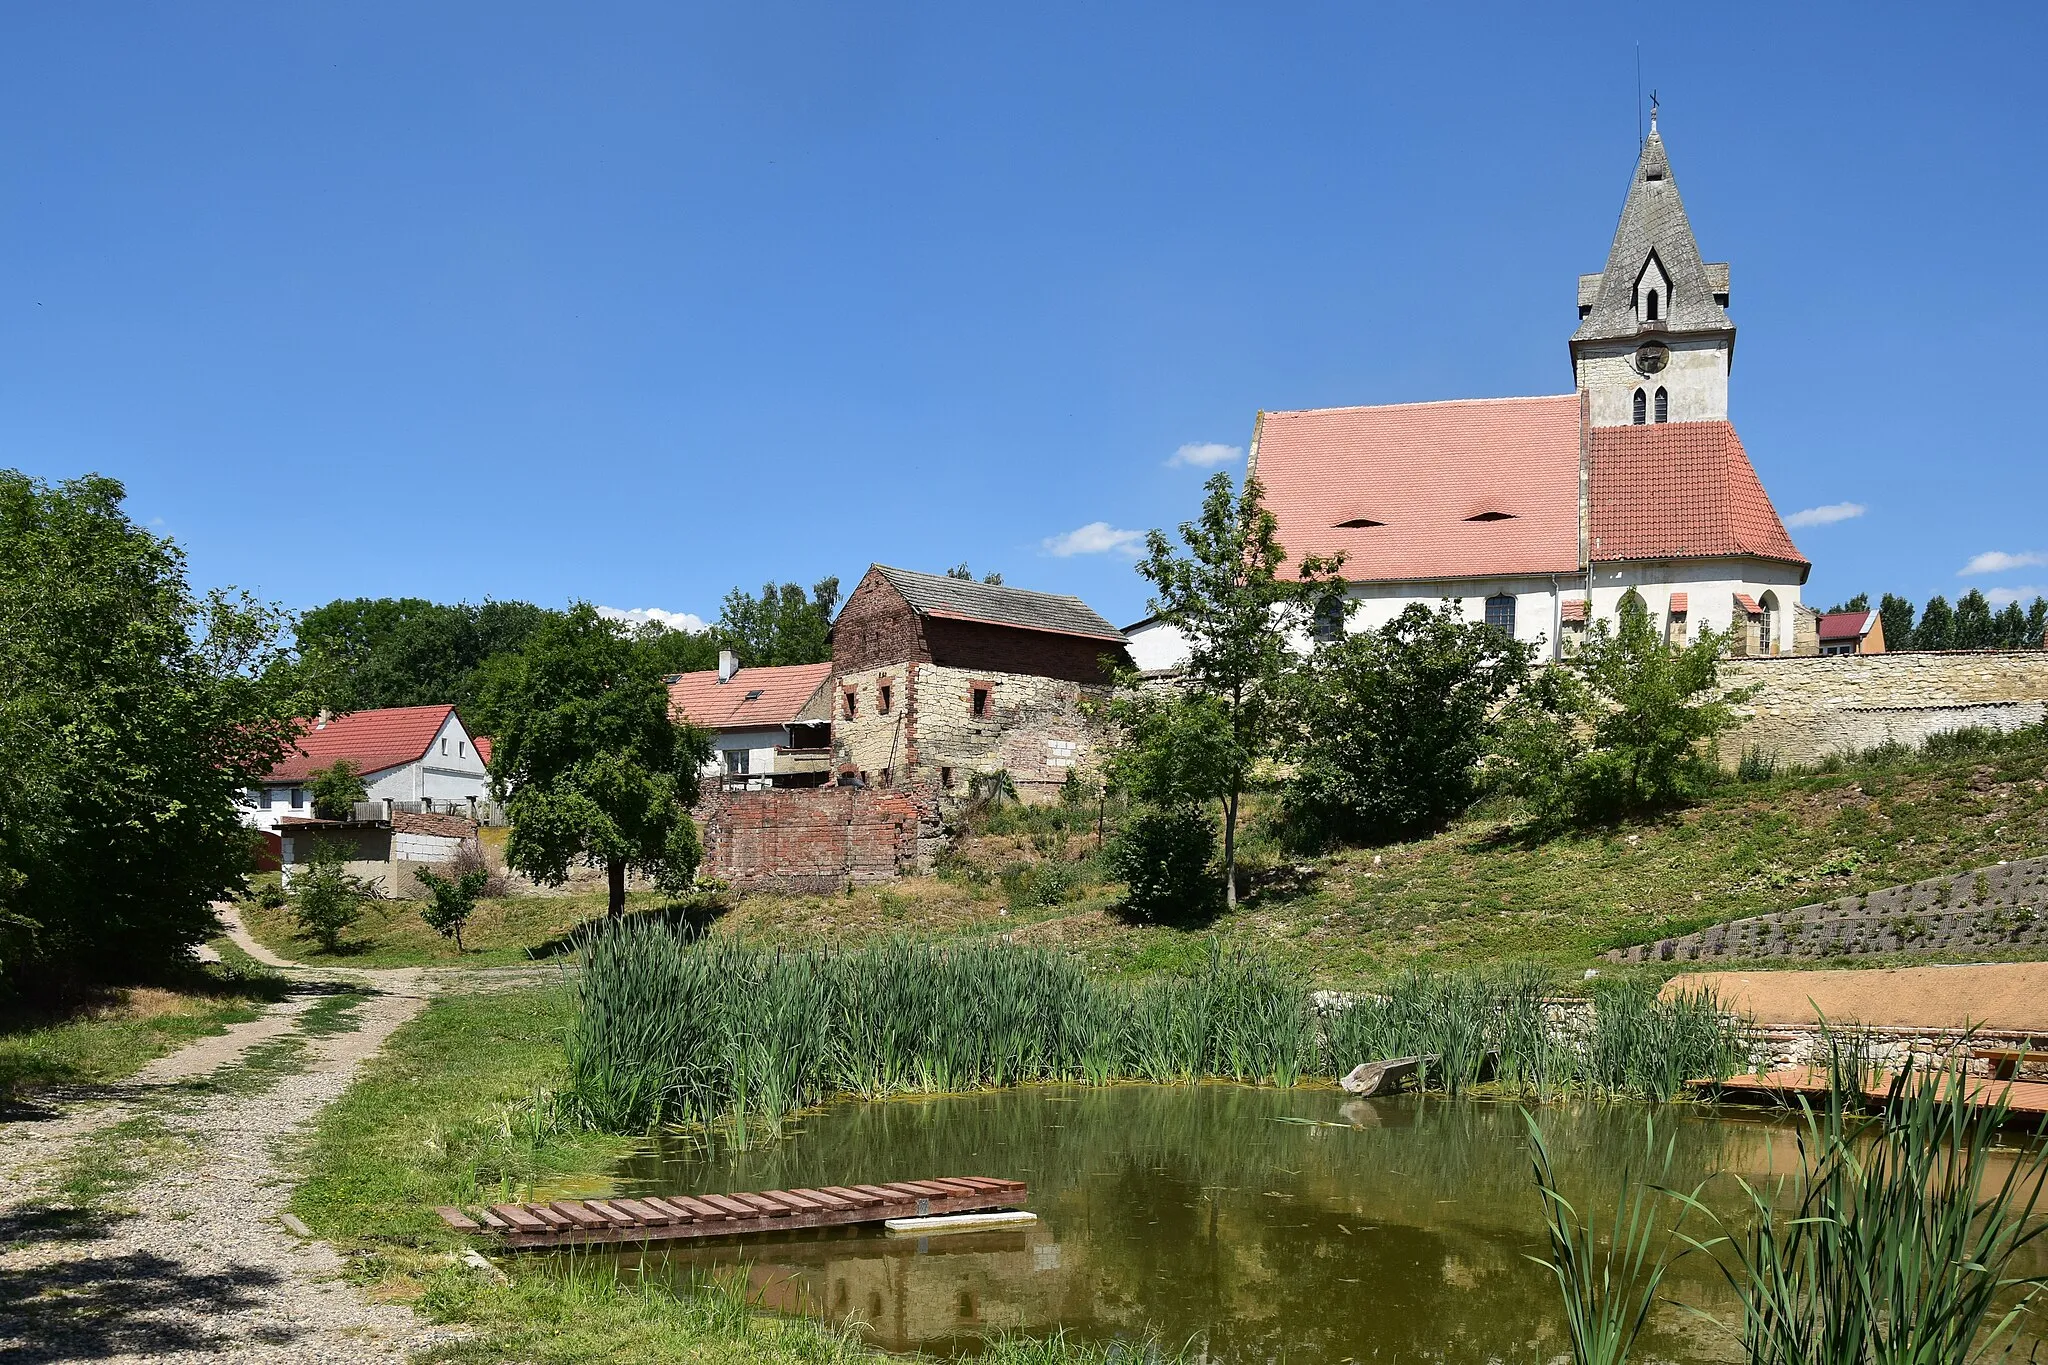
(1748, 604)
(372, 740)
(483, 747)
(1680, 490)
(1423, 473)
(752, 698)
(1846, 625)
(1679, 602)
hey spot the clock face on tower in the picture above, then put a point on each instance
(1652, 358)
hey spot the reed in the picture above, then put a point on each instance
(679, 1032)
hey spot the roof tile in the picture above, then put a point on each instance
(702, 699)
(372, 740)
(1673, 490)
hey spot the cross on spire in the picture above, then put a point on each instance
(1653, 113)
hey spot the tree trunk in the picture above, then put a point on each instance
(1230, 848)
(615, 887)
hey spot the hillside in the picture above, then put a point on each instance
(1477, 892)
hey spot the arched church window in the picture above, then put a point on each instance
(1500, 613)
(1642, 407)
(1663, 405)
(1767, 627)
(1650, 306)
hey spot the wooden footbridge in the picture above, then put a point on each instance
(584, 1222)
(2022, 1099)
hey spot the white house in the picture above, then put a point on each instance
(421, 756)
(769, 726)
(1540, 514)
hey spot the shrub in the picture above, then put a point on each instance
(335, 790)
(328, 898)
(1163, 855)
(453, 900)
(1386, 727)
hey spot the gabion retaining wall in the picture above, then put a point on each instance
(2005, 906)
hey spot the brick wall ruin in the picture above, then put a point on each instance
(1807, 708)
(817, 840)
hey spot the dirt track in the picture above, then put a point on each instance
(2005, 995)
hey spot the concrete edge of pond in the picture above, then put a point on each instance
(956, 1222)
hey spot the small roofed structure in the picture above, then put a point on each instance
(1851, 632)
(770, 727)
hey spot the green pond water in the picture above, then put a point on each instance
(1268, 1225)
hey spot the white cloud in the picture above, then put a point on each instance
(1998, 561)
(640, 616)
(1097, 537)
(1204, 455)
(2023, 594)
(1828, 515)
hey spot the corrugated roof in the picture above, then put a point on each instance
(962, 599)
(1676, 490)
(752, 699)
(372, 740)
(1423, 474)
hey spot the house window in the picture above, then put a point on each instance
(849, 697)
(886, 781)
(298, 798)
(265, 797)
(1642, 407)
(978, 701)
(736, 761)
(444, 746)
(1663, 405)
(946, 778)
(884, 694)
(462, 748)
(1500, 613)
(1650, 306)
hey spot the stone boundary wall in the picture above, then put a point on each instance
(1988, 908)
(1807, 708)
(817, 840)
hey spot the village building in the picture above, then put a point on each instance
(770, 727)
(416, 758)
(386, 850)
(937, 680)
(1540, 514)
(1851, 632)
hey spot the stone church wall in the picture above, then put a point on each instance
(1808, 708)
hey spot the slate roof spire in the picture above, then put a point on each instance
(1653, 225)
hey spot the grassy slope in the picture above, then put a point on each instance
(112, 1036)
(1479, 893)
(1474, 893)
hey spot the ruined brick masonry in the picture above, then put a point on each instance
(816, 840)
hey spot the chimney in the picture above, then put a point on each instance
(728, 664)
(325, 716)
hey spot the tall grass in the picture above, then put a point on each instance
(672, 1031)
(1896, 1242)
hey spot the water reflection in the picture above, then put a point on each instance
(1271, 1224)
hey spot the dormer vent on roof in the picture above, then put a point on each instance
(1491, 516)
(1358, 522)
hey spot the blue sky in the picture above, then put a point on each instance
(634, 303)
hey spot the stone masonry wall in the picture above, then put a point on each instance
(817, 839)
(1807, 708)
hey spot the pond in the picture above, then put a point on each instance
(1297, 1225)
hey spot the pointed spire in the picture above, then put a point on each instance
(1654, 235)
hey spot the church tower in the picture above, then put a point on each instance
(1654, 342)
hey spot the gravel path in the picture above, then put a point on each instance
(186, 1260)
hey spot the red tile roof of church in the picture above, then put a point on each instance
(1681, 490)
(1421, 473)
(372, 740)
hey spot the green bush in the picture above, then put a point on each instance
(453, 900)
(1163, 855)
(335, 789)
(328, 898)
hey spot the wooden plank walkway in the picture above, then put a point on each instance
(2023, 1098)
(584, 1222)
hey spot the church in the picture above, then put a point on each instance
(1540, 514)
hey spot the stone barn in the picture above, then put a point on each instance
(937, 679)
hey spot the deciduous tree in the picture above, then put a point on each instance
(1227, 595)
(1937, 628)
(133, 714)
(1974, 628)
(1385, 728)
(588, 762)
(781, 626)
(335, 789)
(1895, 614)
